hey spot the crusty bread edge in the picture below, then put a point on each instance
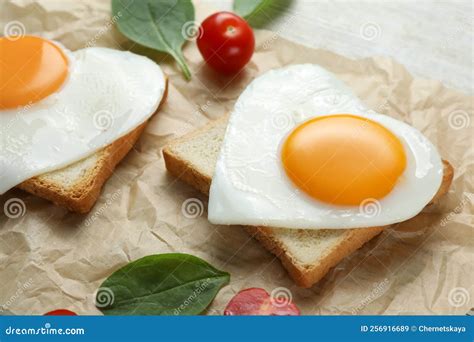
(112, 155)
(83, 203)
(182, 168)
(303, 275)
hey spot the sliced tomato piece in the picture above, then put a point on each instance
(60, 312)
(258, 302)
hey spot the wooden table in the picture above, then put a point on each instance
(432, 39)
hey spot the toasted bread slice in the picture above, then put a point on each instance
(77, 187)
(306, 254)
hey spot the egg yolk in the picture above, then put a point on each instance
(31, 68)
(343, 159)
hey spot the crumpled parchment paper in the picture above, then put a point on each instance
(50, 258)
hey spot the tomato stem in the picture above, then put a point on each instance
(230, 29)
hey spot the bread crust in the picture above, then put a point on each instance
(84, 194)
(183, 169)
(352, 240)
(303, 275)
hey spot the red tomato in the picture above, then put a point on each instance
(60, 312)
(258, 302)
(226, 42)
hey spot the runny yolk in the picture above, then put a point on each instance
(31, 68)
(343, 159)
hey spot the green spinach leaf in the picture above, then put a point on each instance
(247, 8)
(162, 284)
(157, 24)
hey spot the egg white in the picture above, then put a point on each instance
(107, 94)
(249, 185)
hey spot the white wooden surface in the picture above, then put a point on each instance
(432, 39)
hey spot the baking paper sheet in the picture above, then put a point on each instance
(50, 258)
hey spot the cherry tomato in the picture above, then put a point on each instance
(60, 312)
(226, 42)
